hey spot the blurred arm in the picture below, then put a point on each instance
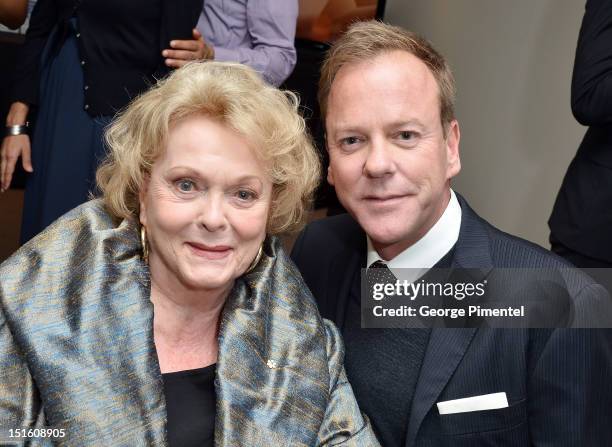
(592, 76)
(13, 12)
(271, 26)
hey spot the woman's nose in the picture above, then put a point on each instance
(212, 212)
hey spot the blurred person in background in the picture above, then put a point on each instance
(166, 312)
(257, 33)
(581, 220)
(13, 12)
(80, 64)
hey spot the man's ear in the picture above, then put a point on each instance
(453, 161)
(330, 172)
(142, 195)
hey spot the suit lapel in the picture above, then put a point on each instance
(447, 346)
(445, 350)
(344, 271)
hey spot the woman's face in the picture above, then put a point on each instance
(205, 207)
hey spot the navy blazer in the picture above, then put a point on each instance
(557, 381)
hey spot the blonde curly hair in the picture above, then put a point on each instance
(236, 96)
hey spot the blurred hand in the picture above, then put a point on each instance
(14, 147)
(184, 51)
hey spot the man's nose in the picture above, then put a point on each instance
(379, 161)
(212, 212)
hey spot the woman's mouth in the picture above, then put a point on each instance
(209, 251)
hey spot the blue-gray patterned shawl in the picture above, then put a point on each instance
(77, 350)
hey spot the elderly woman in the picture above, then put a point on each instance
(167, 310)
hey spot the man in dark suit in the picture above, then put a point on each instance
(581, 220)
(387, 98)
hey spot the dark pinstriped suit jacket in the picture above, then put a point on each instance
(558, 381)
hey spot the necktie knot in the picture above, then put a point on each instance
(378, 265)
(379, 273)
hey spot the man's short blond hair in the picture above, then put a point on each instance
(363, 41)
(236, 96)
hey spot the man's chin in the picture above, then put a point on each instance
(383, 235)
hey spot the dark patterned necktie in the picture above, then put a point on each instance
(379, 273)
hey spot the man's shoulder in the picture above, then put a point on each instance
(505, 250)
(333, 234)
(520, 268)
(512, 251)
(326, 243)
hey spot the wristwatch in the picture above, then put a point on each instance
(18, 129)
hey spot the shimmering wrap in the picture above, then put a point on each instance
(77, 350)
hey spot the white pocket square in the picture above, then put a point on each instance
(475, 403)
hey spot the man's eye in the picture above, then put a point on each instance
(185, 185)
(406, 135)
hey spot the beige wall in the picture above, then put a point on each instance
(513, 62)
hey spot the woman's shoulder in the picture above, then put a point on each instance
(73, 246)
(84, 224)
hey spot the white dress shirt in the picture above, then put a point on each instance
(427, 251)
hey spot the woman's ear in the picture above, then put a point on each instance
(142, 200)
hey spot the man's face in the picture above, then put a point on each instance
(389, 159)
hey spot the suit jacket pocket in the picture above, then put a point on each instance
(485, 420)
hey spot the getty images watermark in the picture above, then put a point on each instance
(510, 298)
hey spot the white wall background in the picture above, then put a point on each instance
(513, 62)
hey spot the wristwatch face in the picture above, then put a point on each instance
(19, 129)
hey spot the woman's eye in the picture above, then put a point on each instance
(245, 195)
(185, 185)
(349, 141)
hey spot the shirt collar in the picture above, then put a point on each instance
(432, 247)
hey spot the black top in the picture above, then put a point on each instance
(190, 405)
(120, 44)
